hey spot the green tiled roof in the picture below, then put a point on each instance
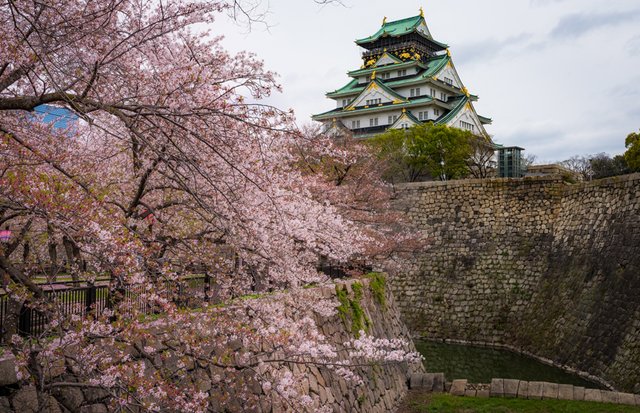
(339, 112)
(388, 68)
(485, 120)
(436, 64)
(387, 89)
(433, 67)
(410, 116)
(453, 112)
(398, 28)
(394, 28)
(351, 87)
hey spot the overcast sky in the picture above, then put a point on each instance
(558, 77)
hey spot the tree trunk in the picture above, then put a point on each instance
(26, 249)
(53, 254)
(73, 255)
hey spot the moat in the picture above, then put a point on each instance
(481, 364)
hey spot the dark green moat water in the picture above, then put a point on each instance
(480, 365)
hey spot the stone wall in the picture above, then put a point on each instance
(384, 387)
(541, 266)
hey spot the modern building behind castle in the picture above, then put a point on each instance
(407, 78)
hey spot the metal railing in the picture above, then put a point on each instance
(81, 298)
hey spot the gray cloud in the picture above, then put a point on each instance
(633, 46)
(575, 25)
(544, 2)
(630, 89)
(490, 48)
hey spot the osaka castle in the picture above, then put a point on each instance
(407, 78)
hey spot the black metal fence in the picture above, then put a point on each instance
(81, 298)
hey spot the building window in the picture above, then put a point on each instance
(436, 112)
(386, 75)
(448, 81)
(402, 72)
(373, 122)
(392, 119)
(433, 93)
(355, 124)
(443, 97)
(374, 101)
(345, 102)
(414, 92)
(423, 115)
(467, 125)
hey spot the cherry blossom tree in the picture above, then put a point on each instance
(166, 168)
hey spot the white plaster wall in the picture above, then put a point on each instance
(450, 72)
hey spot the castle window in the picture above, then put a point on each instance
(448, 81)
(386, 75)
(402, 72)
(467, 125)
(443, 97)
(415, 92)
(373, 122)
(355, 124)
(436, 112)
(433, 93)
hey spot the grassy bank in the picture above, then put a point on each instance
(444, 403)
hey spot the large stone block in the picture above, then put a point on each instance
(549, 390)
(510, 387)
(8, 369)
(497, 388)
(427, 381)
(458, 387)
(565, 392)
(535, 389)
(592, 395)
(523, 389)
(627, 398)
(578, 393)
(26, 400)
(415, 381)
(609, 396)
(438, 382)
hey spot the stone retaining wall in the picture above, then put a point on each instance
(384, 388)
(543, 267)
(511, 388)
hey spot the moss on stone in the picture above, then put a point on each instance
(351, 309)
(377, 285)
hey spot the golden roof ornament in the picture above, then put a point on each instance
(384, 21)
(421, 12)
(448, 52)
(404, 110)
(373, 75)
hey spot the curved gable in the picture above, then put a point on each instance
(449, 72)
(387, 59)
(467, 119)
(375, 94)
